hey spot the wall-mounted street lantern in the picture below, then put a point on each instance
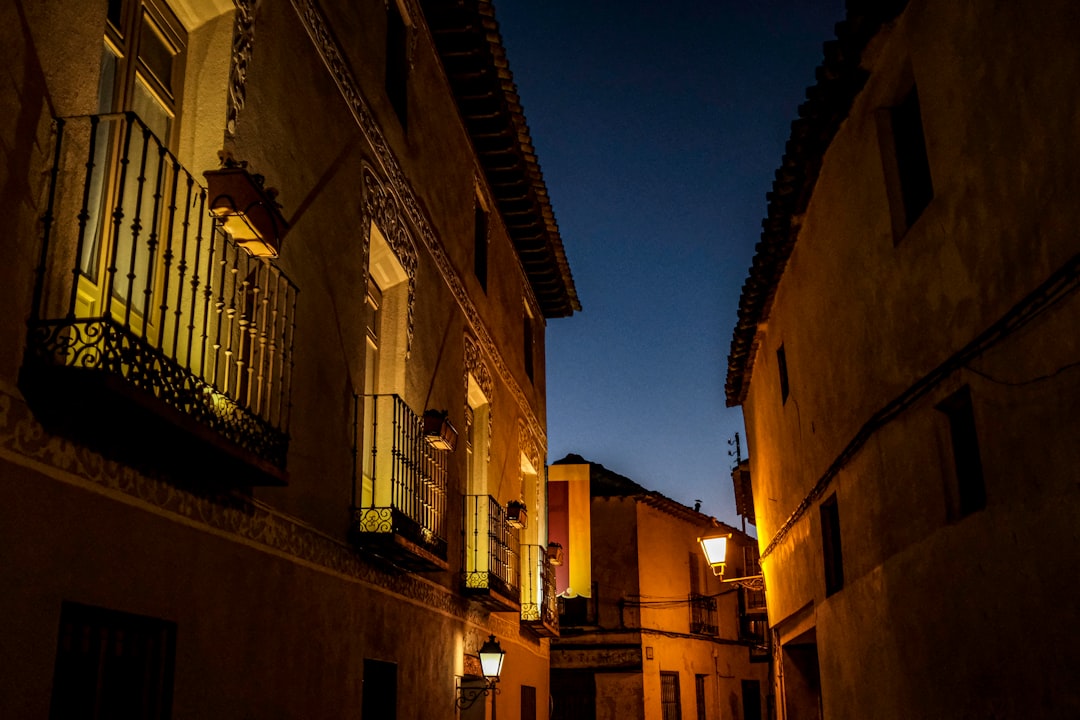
(248, 210)
(715, 549)
(438, 431)
(491, 662)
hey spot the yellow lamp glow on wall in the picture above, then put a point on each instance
(248, 210)
(715, 549)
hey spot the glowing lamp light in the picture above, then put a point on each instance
(249, 211)
(715, 549)
(438, 430)
(491, 659)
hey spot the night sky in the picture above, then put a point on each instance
(658, 127)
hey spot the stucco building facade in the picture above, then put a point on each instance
(906, 362)
(272, 437)
(655, 635)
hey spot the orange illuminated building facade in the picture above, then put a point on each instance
(646, 629)
(908, 366)
(276, 282)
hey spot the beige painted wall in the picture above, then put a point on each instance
(275, 612)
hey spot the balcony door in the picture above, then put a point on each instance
(130, 186)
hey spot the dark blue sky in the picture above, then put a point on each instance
(658, 126)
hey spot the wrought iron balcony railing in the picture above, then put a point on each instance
(539, 606)
(142, 302)
(492, 552)
(703, 615)
(399, 485)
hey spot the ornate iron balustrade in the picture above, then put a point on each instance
(703, 615)
(140, 290)
(492, 549)
(539, 606)
(399, 484)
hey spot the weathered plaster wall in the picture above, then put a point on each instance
(862, 319)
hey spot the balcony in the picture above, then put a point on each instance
(754, 624)
(492, 555)
(399, 486)
(703, 615)
(152, 337)
(539, 606)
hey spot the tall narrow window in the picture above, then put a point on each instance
(905, 161)
(751, 700)
(529, 342)
(397, 61)
(380, 690)
(912, 163)
(970, 490)
(699, 696)
(669, 696)
(112, 664)
(141, 71)
(480, 242)
(385, 308)
(781, 364)
(528, 702)
(830, 545)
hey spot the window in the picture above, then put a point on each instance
(906, 163)
(669, 696)
(111, 664)
(699, 695)
(912, 164)
(477, 438)
(751, 700)
(380, 690)
(397, 61)
(527, 333)
(969, 494)
(830, 545)
(141, 70)
(480, 242)
(385, 314)
(781, 364)
(528, 702)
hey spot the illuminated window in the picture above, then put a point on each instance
(669, 696)
(907, 166)
(477, 437)
(112, 664)
(386, 328)
(397, 60)
(830, 545)
(141, 70)
(969, 493)
(781, 364)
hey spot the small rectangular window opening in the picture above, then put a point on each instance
(112, 664)
(830, 545)
(781, 364)
(379, 701)
(970, 489)
(912, 185)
